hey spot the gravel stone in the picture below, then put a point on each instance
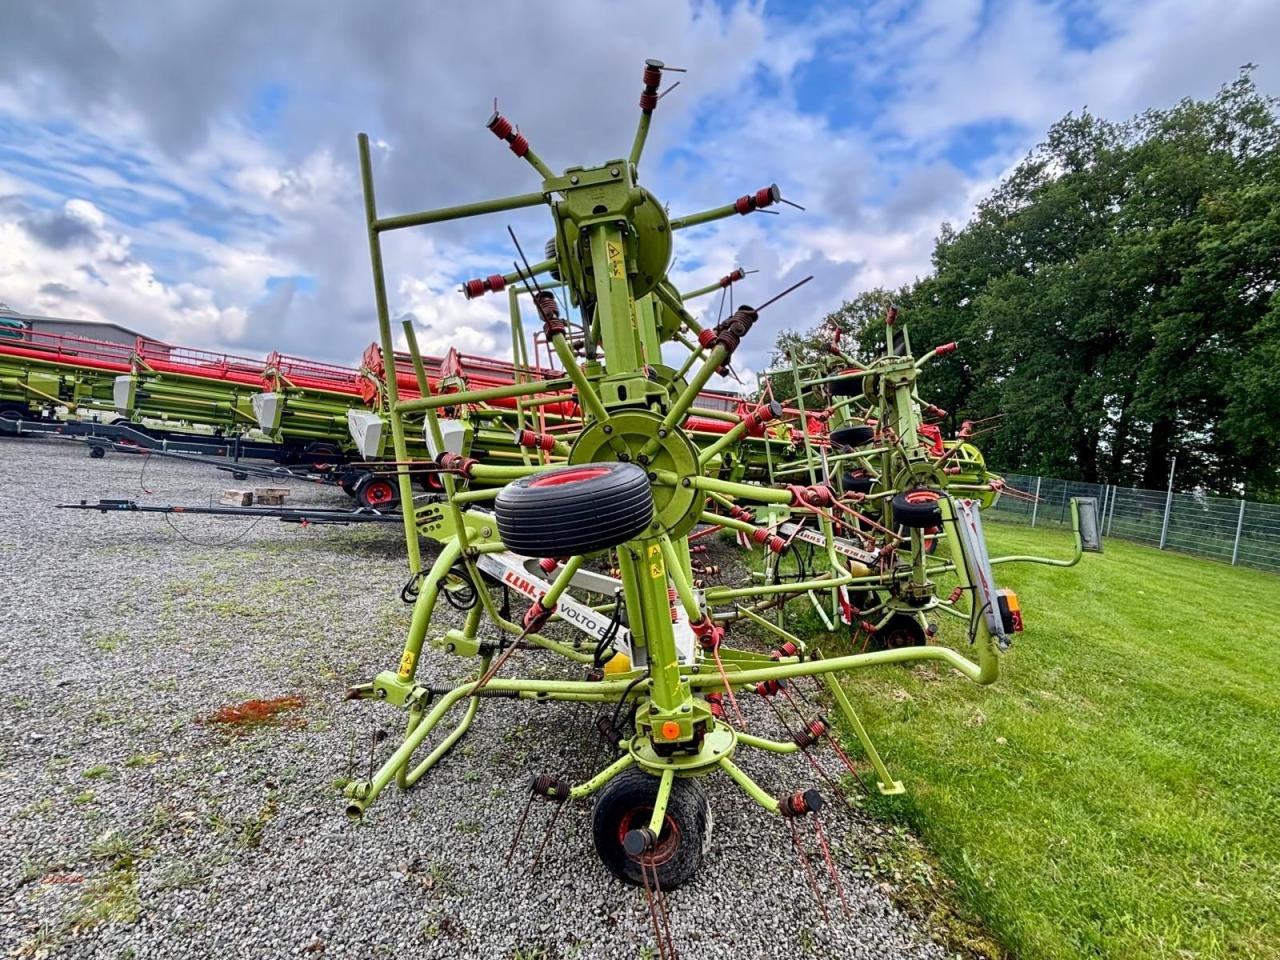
(129, 828)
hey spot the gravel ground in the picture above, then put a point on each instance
(132, 829)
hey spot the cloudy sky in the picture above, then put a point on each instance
(189, 169)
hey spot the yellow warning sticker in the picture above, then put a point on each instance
(656, 570)
(406, 664)
(654, 549)
(615, 260)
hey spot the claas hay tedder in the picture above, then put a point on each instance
(630, 485)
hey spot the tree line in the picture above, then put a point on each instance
(1116, 302)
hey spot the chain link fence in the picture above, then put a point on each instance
(1233, 531)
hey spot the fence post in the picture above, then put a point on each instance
(1102, 511)
(1035, 504)
(1111, 515)
(1168, 505)
(1235, 550)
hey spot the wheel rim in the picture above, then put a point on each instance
(921, 496)
(379, 492)
(668, 841)
(573, 475)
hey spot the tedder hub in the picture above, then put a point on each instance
(632, 481)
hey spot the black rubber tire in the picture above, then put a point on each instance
(853, 435)
(97, 453)
(320, 451)
(918, 508)
(574, 510)
(549, 253)
(847, 386)
(900, 631)
(377, 493)
(852, 483)
(626, 803)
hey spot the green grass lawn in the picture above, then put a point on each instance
(1117, 792)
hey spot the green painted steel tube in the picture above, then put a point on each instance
(984, 672)
(451, 213)
(425, 604)
(487, 472)
(476, 496)
(402, 778)
(702, 291)
(481, 396)
(388, 350)
(710, 453)
(887, 783)
(661, 800)
(704, 216)
(773, 746)
(752, 789)
(680, 408)
(675, 570)
(587, 396)
(744, 491)
(642, 134)
(361, 795)
(561, 583)
(587, 788)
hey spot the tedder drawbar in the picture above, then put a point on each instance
(652, 645)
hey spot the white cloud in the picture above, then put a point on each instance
(191, 182)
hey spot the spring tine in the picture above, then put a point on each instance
(808, 868)
(666, 915)
(844, 757)
(351, 756)
(546, 835)
(724, 678)
(831, 864)
(807, 755)
(653, 910)
(524, 815)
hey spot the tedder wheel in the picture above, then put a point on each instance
(574, 510)
(96, 452)
(319, 451)
(626, 803)
(902, 630)
(376, 493)
(852, 436)
(918, 508)
(849, 384)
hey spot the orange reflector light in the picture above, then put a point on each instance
(670, 730)
(1010, 610)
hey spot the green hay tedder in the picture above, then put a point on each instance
(650, 644)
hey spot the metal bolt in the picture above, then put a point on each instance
(608, 428)
(662, 434)
(486, 532)
(614, 171)
(573, 179)
(686, 482)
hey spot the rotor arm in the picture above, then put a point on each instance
(505, 130)
(747, 203)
